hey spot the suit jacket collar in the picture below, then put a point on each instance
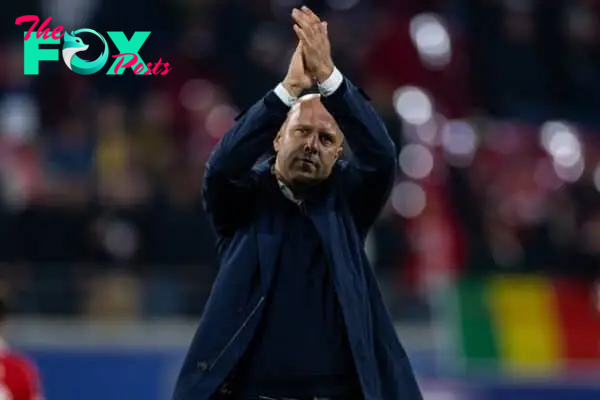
(266, 170)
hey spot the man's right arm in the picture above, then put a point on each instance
(228, 177)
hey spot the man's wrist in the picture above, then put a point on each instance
(286, 94)
(332, 83)
(324, 73)
(294, 90)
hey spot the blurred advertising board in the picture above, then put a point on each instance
(518, 326)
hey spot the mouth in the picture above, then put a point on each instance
(307, 163)
(307, 160)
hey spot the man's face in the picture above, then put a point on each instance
(308, 143)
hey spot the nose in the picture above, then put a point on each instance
(310, 146)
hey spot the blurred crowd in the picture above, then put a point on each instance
(493, 105)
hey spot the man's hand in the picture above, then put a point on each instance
(312, 33)
(297, 78)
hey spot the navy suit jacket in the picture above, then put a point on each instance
(249, 228)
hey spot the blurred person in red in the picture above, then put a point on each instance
(19, 379)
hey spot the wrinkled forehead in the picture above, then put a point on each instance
(309, 111)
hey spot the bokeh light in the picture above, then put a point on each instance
(416, 161)
(570, 173)
(431, 38)
(459, 140)
(408, 199)
(413, 105)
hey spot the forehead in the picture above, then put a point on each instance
(312, 113)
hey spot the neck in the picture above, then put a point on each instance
(299, 190)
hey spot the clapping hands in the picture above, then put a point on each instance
(312, 58)
(316, 49)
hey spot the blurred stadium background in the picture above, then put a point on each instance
(488, 252)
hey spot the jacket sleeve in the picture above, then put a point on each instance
(228, 177)
(367, 179)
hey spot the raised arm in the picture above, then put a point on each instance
(368, 178)
(228, 190)
(228, 177)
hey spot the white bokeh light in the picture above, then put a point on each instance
(416, 161)
(565, 149)
(408, 199)
(549, 129)
(413, 105)
(431, 38)
(561, 142)
(570, 173)
(459, 140)
(429, 131)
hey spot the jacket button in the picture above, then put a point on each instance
(202, 365)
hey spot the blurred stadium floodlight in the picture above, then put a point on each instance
(570, 173)
(561, 142)
(428, 132)
(459, 141)
(408, 199)
(432, 40)
(416, 161)
(413, 105)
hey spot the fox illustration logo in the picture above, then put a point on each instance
(73, 44)
(128, 49)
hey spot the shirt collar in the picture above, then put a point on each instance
(315, 192)
(287, 192)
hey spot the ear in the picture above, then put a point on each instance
(339, 151)
(276, 142)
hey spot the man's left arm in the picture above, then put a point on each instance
(368, 178)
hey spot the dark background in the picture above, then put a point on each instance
(493, 104)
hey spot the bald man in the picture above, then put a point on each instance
(295, 311)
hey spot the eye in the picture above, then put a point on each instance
(326, 139)
(301, 131)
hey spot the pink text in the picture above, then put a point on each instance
(138, 69)
(55, 34)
